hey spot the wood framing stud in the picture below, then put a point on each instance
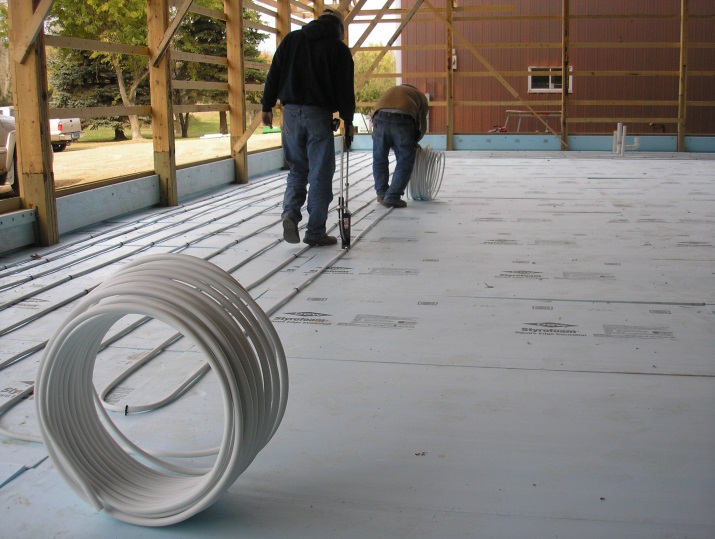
(32, 29)
(162, 114)
(565, 78)
(29, 79)
(237, 88)
(166, 40)
(683, 75)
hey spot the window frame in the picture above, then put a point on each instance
(552, 89)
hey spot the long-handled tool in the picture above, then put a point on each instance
(344, 215)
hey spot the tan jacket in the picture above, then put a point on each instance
(407, 99)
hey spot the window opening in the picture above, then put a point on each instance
(544, 83)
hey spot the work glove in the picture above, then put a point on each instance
(267, 118)
(348, 139)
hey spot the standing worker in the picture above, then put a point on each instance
(399, 122)
(312, 75)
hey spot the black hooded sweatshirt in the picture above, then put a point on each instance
(312, 66)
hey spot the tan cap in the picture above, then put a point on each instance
(333, 13)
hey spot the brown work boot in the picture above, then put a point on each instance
(396, 203)
(321, 242)
(290, 230)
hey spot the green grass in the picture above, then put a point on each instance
(201, 123)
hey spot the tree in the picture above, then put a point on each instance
(373, 88)
(76, 76)
(79, 79)
(204, 35)
(5, 91)
(118, 21)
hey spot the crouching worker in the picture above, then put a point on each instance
(399, 122)
(312, 75)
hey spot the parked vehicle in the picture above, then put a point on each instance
(8, 157)
(62, 132)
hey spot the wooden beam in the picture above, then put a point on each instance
(65, 42)
(214, 107)
(371, 26)
(457, 9)
(169, 34)
(236, 87)
(343, 7)
(498, 104)
(259, 26)
(193, 57)
(404, 48)
(616, 119)
(450, 77)
(29, 79)
(354, 12)
(305, 8)
(31, 29)
(640, 45)
(565, 43)
(625, 102)
(199, 10)
(100, 112)
(363, 78)
(240, 143)
(283, 20)
(247, 4)
(683, 74)
(162, 114)
(198, 85)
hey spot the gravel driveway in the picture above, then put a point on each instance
(86, 162)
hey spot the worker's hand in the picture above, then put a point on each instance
(349, 134)
(268, 119)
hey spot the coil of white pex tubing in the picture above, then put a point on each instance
(236, 337)
(427, 174)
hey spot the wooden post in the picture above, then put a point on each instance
(236, 86)
(34, 174)
(283, 20)
(283, 29)
(565, 86)
(162, 112)
(319, 7)
(450, 77)
(683, 75)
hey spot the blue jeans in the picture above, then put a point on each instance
(399, 133)
(309, 149)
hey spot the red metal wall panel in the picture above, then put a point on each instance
(530, 35)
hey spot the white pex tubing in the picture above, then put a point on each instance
(239, 342)
(427, 174)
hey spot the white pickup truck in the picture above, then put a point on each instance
(8, 158)
(64, 132)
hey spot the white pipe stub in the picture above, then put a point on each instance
(241, 345)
